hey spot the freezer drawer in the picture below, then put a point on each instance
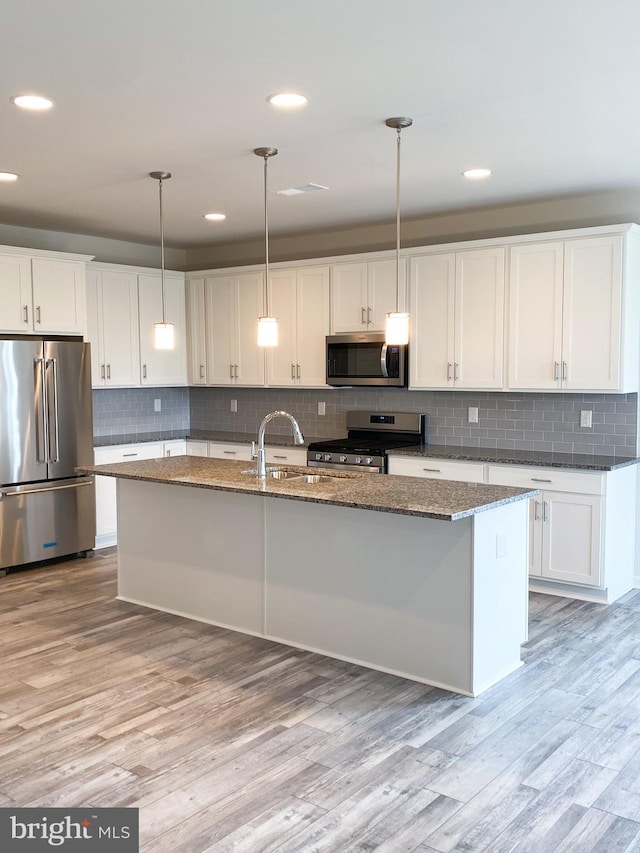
(45, 520)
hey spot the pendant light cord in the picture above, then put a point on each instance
(398, 221)
(164, 319)
(266, 239)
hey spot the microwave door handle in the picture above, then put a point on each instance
(383, 361)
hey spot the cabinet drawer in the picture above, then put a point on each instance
(197, 448)
(226, 450)
(129, 453)
(286, 455)
(437, 469)
(550, 479)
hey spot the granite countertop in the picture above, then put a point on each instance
(196, 435)
(440, 499)
(539, 458)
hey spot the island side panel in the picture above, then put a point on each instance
(500, 591)
(389, 591)
(194, 552)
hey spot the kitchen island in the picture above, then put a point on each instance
(423, 579)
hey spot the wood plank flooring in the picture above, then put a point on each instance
(232, 743)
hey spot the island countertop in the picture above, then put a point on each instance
(444, 500)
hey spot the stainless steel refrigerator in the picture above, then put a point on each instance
(47, 510)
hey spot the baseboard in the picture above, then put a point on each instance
(106, 540)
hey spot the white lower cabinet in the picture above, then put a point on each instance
(177, 447)
(106, 504)
(196, 447)
(227, 450)
(286, 455)
(242, 451)
(582, 524)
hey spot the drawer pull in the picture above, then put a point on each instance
(230, 452)
(129, 454)
(540, 480)
(433, 470)
(279, 457)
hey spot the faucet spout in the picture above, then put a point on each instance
(297, 437)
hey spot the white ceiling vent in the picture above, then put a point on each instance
(304, 188)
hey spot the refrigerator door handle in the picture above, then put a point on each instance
(17, 494)
(40, 404)
(52, 413)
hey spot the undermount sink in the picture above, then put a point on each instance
(318, 478)
(275, 473)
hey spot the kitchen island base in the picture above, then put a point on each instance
(443, 603)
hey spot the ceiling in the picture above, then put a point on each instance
(544, 93)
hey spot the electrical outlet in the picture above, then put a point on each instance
(586, 418)
(322, 408)
(472, 417)
(157, 405)
(234, 405)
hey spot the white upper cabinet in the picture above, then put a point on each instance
(42, 295)
(363, 293)
(162, 367)
(196, 332)
(573, 315)
(299, 298)
(457, 319)
(233, 304)
(112, 328)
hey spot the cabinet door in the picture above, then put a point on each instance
(197, 448)
(178, 447)
(220, 313)
(592, 313)
(286, 456)
(58, 296)
(535, 315)
(312, 325)
(196, 331)
(94, 327)
(382, 291)
(536, 529)
(432, 306)
(162, 367)
(225, 450)
(120, 329)
(571, 538)
(349, 295)
(249, 306)
(479, 329)
(16, 313)
(282, 360)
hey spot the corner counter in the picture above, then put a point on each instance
(426, 580)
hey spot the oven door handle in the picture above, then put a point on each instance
(383, 361)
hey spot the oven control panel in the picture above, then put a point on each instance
(319, 459)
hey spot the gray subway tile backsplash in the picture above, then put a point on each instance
(511, 420)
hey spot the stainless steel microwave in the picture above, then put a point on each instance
(363, 358)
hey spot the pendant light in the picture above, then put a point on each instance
(397, 322)
(267, 326)
(164, 334)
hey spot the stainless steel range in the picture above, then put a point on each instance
(371, 435)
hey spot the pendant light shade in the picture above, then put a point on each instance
(267, 326)
(397, 322)
(164, 334)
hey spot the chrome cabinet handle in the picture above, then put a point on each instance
(540, 480)
(369, 320)
(25, 308)
(230, 452)
(545, 514)
(230, 371)
(275, 456)
(202, 371)
(38, 314)
(433, 470)
(556, 371)
(144, 371)
(293, 370)
(108, 371)
(455, 370)
(129, 454)
(297, 371)
(102, 375)
(364, 317)
(235, 371)
(449, 370)
(536, 517)
(565, 371)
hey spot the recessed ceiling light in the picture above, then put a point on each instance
(8, 177)
(287, 99)
(215, 217)
(476, 174)
(32, 102)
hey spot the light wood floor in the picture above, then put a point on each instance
(231, 743)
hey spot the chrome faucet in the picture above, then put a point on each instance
(297, 437)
